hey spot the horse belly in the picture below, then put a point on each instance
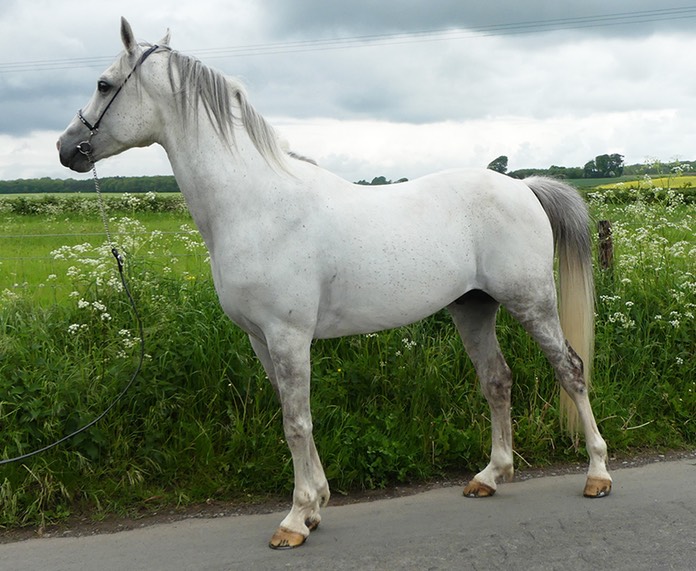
(393, 287)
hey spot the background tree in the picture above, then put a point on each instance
(590, 170)
(499, 165)
(604, 166)
(379, 181)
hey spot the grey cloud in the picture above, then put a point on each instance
(317, 17)
(416, 80)
(41, 101)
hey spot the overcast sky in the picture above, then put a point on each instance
(381, 87)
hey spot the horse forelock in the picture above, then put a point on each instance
(196, 85)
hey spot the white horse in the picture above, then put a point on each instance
(298, 253)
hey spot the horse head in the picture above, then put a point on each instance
(121, 113)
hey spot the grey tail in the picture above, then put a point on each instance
(570, 223)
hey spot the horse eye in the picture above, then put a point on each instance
(103, 87)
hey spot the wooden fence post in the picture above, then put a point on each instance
(606, 245)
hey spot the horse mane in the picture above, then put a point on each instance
(299, 157)
(195, 85)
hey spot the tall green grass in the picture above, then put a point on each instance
(203, 422)
(646, 332)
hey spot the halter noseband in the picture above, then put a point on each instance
(85, 147)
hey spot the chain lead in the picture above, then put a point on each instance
(100, 199)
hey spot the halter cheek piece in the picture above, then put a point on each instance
(85, 147)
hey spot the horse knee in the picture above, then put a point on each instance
(297, 430)
(496, 384)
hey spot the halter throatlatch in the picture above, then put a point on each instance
(85, 147)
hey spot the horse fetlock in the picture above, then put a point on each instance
(313, 522)
(296, 527)
(304, 515)
(506, 474)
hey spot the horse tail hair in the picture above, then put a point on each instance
(570, 223)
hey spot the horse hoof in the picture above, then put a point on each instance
(476, 489)
(597, 488)
(312, 524)
(285, 539)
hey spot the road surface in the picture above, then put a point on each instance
(648, 522)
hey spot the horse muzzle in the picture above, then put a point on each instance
(72, 156)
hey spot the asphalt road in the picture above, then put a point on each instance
(648, 522)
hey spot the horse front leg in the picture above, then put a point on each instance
(287, 365)
(496, 387)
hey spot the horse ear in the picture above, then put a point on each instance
(165, 40)
(127, 37)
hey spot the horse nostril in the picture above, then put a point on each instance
(58, 145)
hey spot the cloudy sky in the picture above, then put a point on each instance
(378, 87)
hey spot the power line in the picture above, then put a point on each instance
(275, 48)
(580, 22)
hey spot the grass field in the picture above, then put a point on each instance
(202, 422)
(36, 251)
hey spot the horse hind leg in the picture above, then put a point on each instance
(598, 483)
(542, 323)
(474, 316)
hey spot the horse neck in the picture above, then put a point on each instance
(215, 175)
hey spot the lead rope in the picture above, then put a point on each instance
(86, 149)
